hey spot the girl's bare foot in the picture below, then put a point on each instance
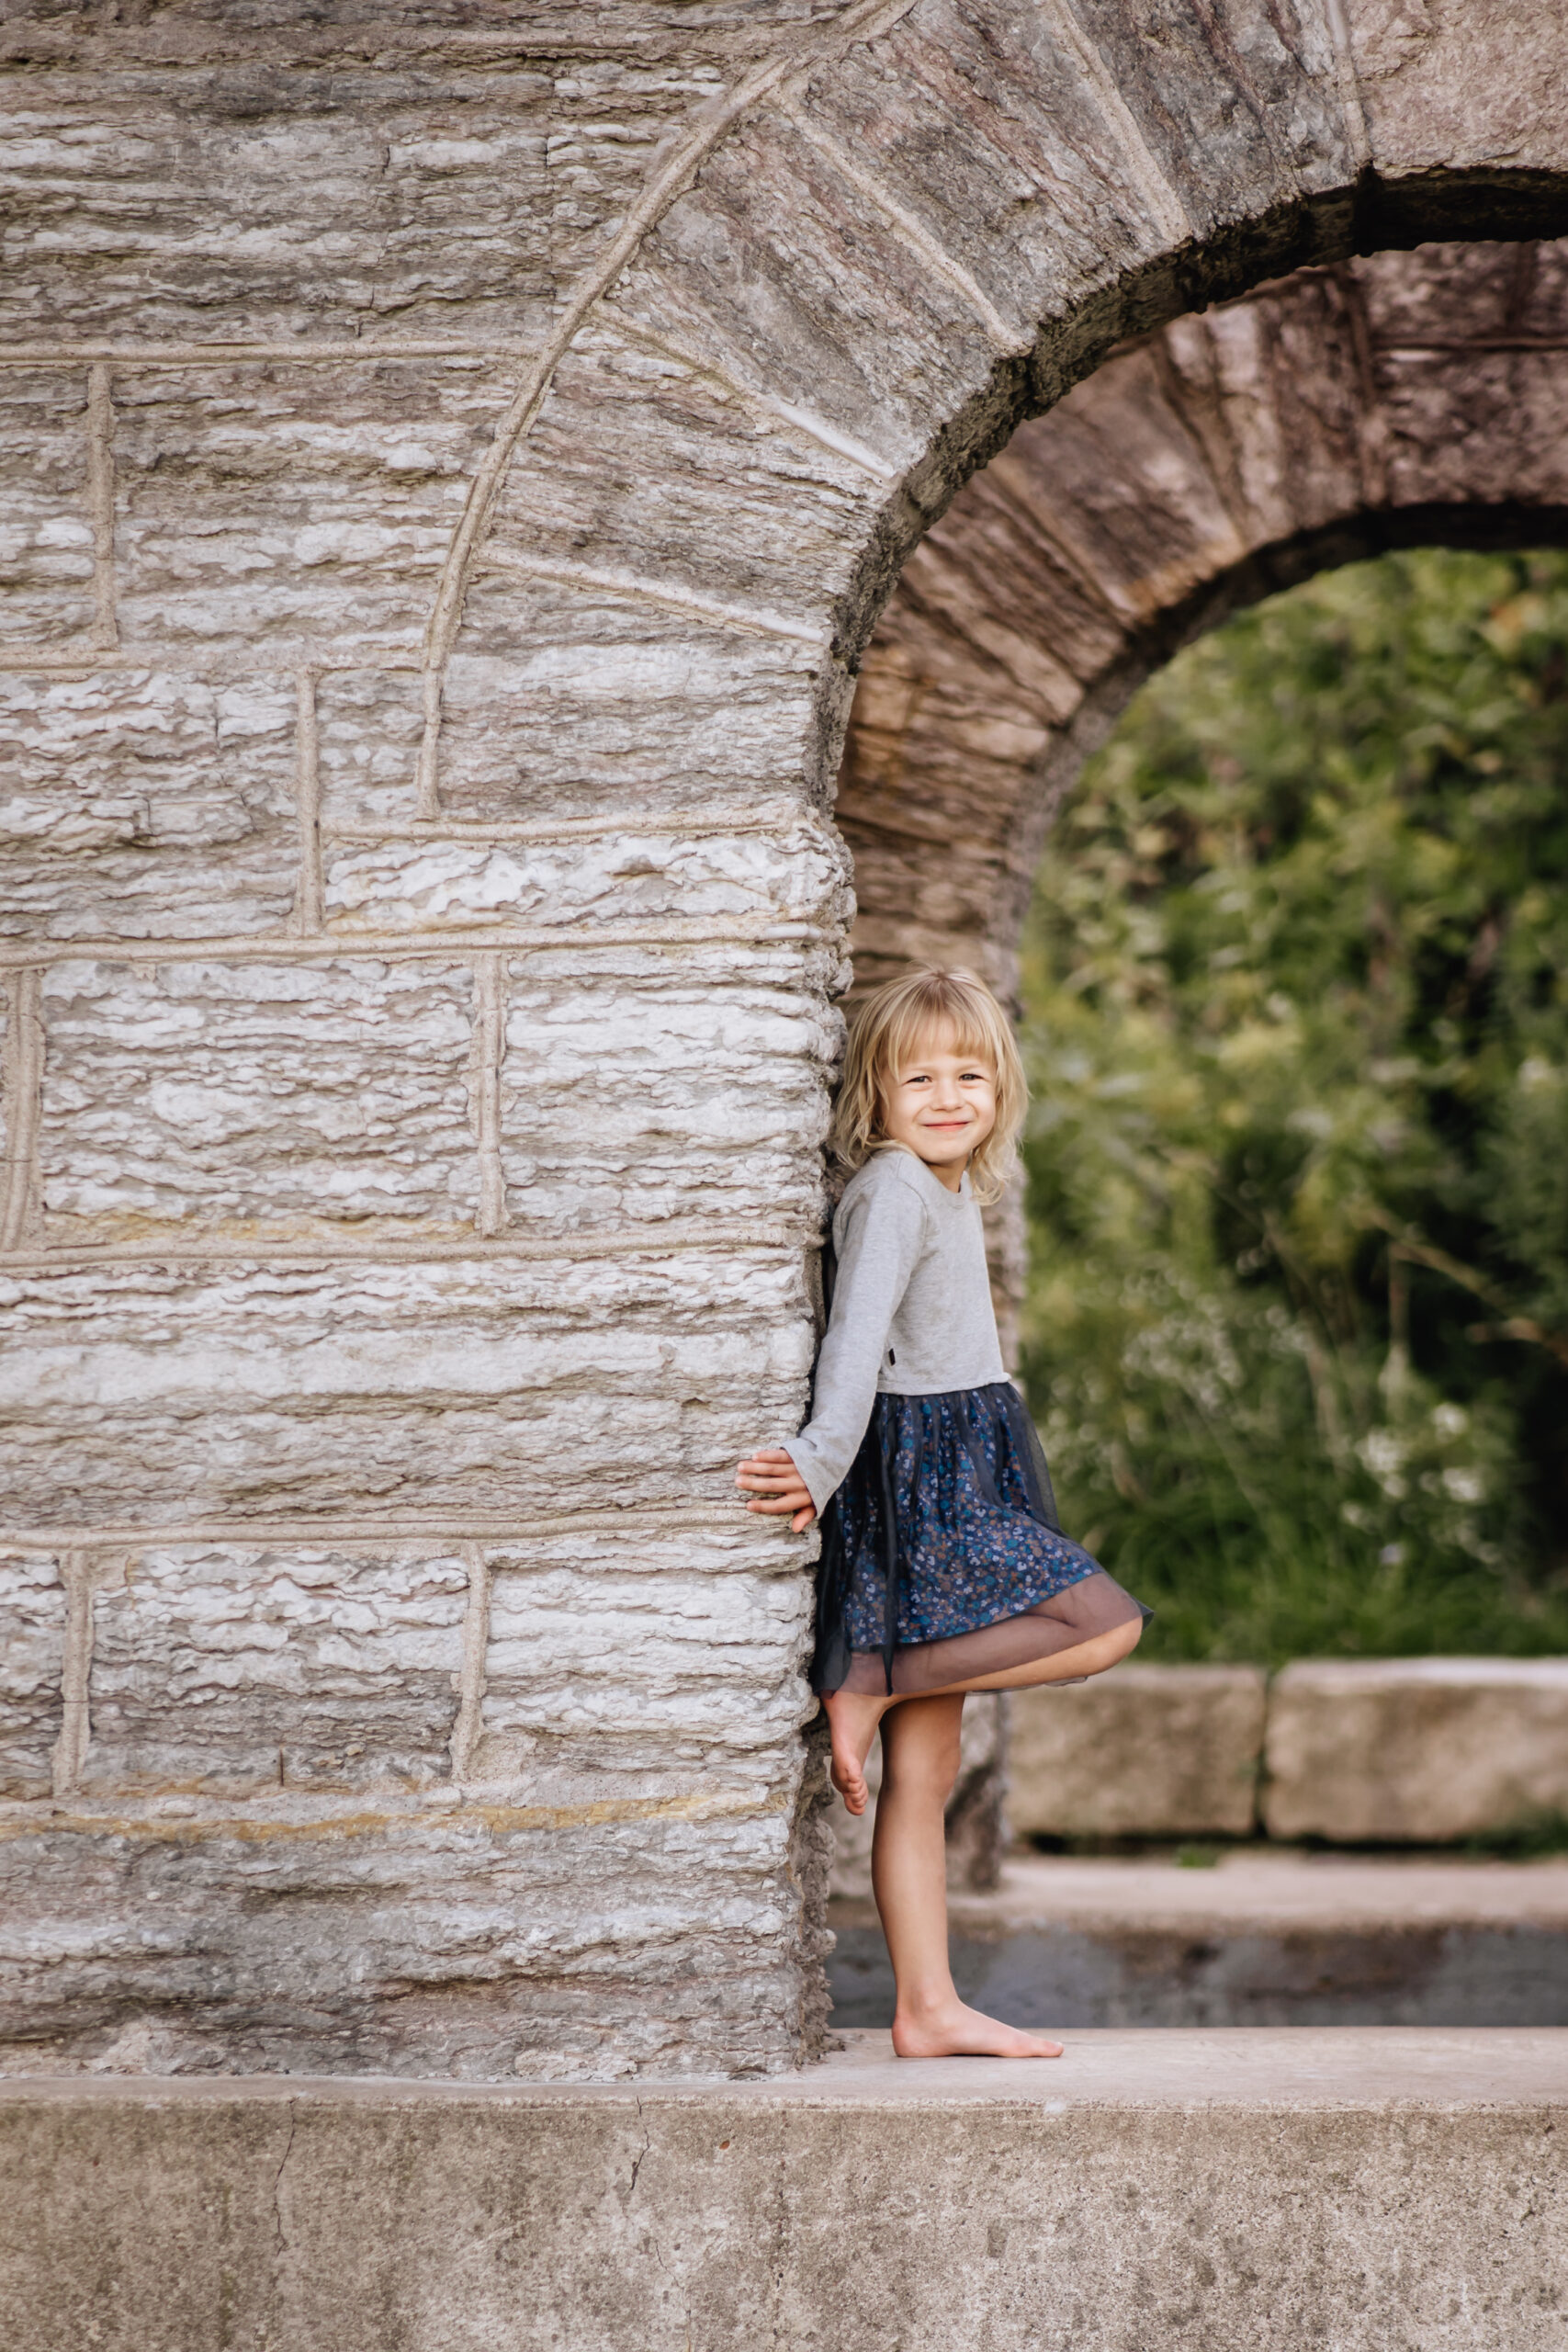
(852, 1717)
(954, 2032)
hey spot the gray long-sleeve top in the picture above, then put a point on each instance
(912, 1311)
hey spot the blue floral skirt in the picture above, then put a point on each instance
(942, 1555)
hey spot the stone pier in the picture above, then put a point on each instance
(456, 460)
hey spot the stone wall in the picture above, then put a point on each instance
(458, 464)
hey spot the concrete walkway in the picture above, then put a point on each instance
(1269, 1888)
(1267, 1937)
(1230, 2191)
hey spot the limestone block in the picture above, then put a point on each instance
(253, 194)
(1368, 2190)
(155, 1395)
(1492, 430)
(1129, 479)
(284, 1098)
(148, 803)
(637, 698)
(739, 1077)
(776, 255)
(302, 506)
(988, 133)
(1450, 86)
(797, 874)
(1269, 391)
(1415, 1749)
(46, 535)
(593, 1640)
(257, 1091)
(369, 723)
(1256, 105)
(1147, 1751)
(658, 470)
(229, 1671)
(32, 1636)
(476, 1940)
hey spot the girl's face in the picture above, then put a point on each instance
(941, 1106)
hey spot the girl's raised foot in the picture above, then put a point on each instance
(852, 1717)
(954, 2032)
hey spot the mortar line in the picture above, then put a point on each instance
(1372, 441)
(1349, 82)
(332, 1253)
(100, 504)
(258, 1827)
(763, 404)
(489, 1050)
(468, 1725)
(915, 233)
(508, 1528)
(679, 824)
(453, 947)
(1441, 346)
(124, 352)
(682, 158)
(196, 662)
(22, 1095)
(70, 1751)
(82, 1576)
(1170, 215)
(748, 620)
(309, 897)
(427, 772)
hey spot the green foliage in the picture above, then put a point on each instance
(1296, 987)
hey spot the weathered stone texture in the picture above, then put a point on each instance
(454, 469)
(1147, 1752)
(32, 1636)
(144, 1394)
(1419, 1750)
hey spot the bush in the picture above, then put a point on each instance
(1296, 990)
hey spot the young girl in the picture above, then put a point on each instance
(944, 1569)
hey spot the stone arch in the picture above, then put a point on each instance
(1396, 400)
(466, 464)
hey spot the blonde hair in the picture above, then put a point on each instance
(889, 1028)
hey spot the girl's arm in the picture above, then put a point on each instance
(879, 1245)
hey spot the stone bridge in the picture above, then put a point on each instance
(463, 467)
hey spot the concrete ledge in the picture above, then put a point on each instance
(1377, 2191)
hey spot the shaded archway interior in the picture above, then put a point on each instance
(1402, 398)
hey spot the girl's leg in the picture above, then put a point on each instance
(908, 1871)
(1096, 1656)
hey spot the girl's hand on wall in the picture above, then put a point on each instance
(770, 1476)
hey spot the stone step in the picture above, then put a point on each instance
(1270, 1938)
(1241, 2192)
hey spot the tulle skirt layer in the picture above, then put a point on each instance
(942, 1555)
